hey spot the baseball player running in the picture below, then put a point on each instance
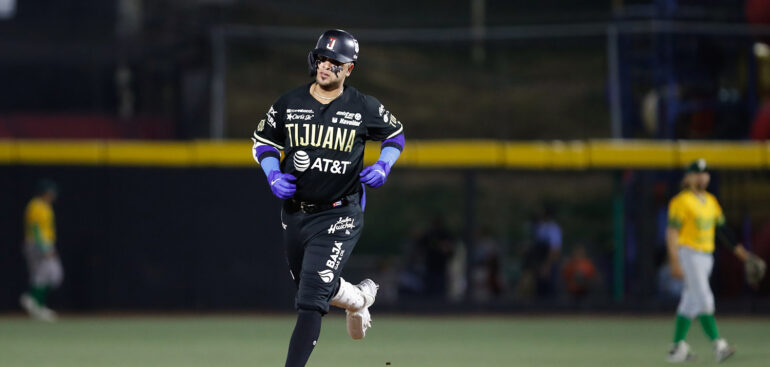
(694, 220)
(45, 270)
(321, 127)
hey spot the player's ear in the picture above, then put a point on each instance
(350, 69)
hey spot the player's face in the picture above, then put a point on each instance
(326, 76)
(698, 181)
(50, 196)
(702, 180)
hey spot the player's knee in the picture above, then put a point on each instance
(690, 314)
(313, 295)
(688, 309)
(57, 279)
(313, 304)
(310, 311)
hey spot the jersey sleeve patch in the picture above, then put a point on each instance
(720, 221)
(674, 223)
(258, 139)
(270, 130)
(381, 124)
(676, 213)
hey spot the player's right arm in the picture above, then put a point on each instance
(672, 237)
(268, 140)
(675, 220)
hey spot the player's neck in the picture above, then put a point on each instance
(324, 95)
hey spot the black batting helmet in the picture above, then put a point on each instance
(335, 44)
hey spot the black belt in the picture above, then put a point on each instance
(307, 207)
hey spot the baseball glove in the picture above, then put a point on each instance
(755, 270)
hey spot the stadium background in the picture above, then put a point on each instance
(141, 112)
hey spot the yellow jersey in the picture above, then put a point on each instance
(696, 217)
(39, 225)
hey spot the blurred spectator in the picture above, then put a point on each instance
(456, 272)
(438, 244)
(579, 274)
(487, 274)
(412, 273)
(761, 247)
(542, 257)
(760, 128)
(387, 276)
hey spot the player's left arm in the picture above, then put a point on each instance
(725, 236)
(382, 125)
(754, 266)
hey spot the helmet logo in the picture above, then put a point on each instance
(332, 42)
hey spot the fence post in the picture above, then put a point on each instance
(619, 254)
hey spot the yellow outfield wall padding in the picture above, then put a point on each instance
(7, 152)
(526, 155)
(459, 153)
(408, 156)
(631, 154)
(533, 155)
(767, 154)
(569, 155)
(372, 152)
(723, 154)
(86, 152)
(226, 154)
(143, 153)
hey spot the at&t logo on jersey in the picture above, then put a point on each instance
(330, 166)
(301, 161)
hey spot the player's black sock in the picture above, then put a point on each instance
(304, 338)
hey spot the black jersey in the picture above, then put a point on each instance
(324, 144)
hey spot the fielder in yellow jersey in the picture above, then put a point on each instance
(696, 216)
(39, 224)
(695, 219)
(45, 270)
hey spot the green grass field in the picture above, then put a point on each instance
(403, 341)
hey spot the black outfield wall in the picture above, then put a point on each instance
(152, 238)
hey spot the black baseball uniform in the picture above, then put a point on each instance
(324, 148)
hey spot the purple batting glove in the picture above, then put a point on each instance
(375, 175)
(280, 184)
